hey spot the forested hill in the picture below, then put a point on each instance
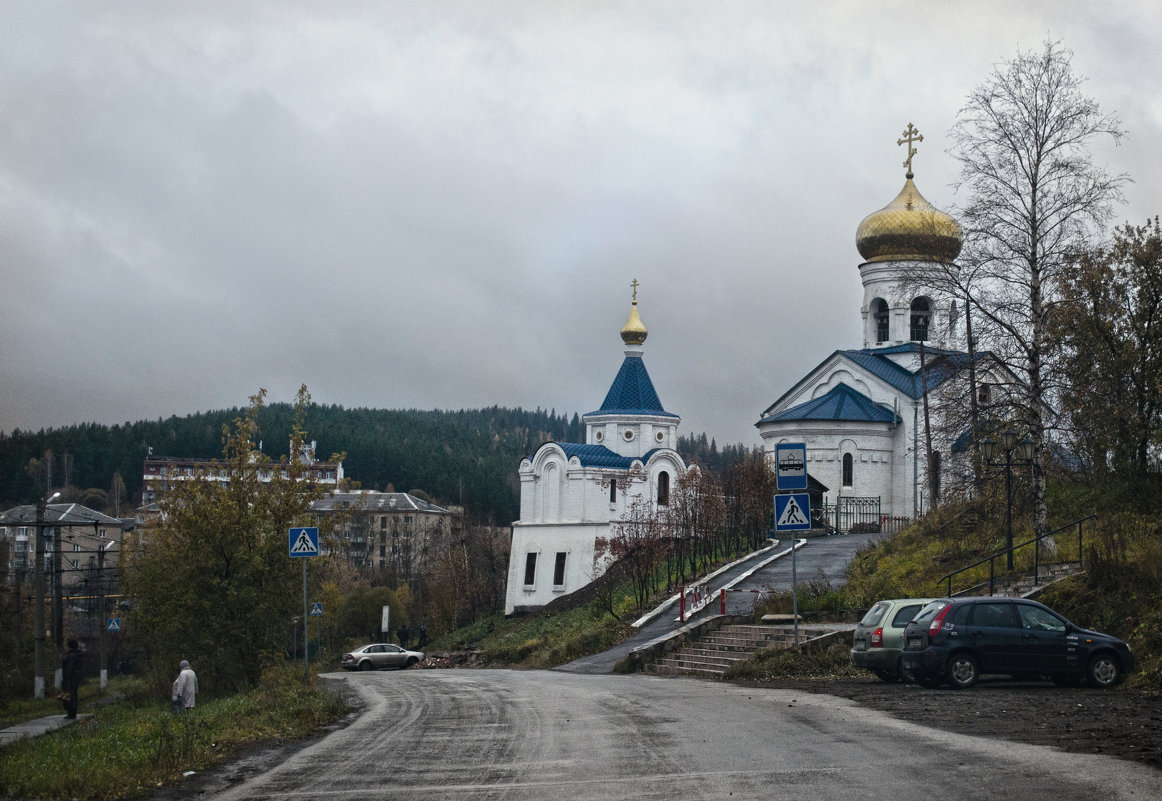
(466, 457)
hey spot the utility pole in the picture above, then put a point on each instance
(38, 611)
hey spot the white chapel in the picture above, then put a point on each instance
(861, 412)
(571, 494)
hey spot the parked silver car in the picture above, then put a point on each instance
(380, 655)
(878, 639)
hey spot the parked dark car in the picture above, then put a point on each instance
(380, 655)
(957, 640)
(878, 638)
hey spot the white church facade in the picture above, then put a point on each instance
(572, 494)
(866, 414)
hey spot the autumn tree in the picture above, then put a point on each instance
(211, 580)
(1034, 197)
(1110, 325)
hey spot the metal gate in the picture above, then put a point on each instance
(854, 515)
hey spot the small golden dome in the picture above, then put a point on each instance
(909, 229)
(634, 331)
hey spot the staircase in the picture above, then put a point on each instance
(711, 654)
(1024, 586)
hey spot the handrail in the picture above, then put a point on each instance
(1036, 557)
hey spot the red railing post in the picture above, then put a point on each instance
(722, 601)
(682, 603)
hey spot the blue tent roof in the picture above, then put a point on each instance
(841, 403)
(632, 391)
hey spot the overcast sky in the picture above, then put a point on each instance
(442, 205)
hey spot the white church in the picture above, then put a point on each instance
(860, 412)
(572, 493)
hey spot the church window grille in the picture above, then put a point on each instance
(984, 394)
(848, 470)
(530, 569)
(559, 570)
(880, 313)
(921, 314)
(613, 490)
(663, 489)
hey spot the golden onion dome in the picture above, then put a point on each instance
(634, 331)
(908, 229)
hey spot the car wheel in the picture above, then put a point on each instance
(365, 665)
(411, 661)
(1103, 671)
(962, 671)
(904, 673)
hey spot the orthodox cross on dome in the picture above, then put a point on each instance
(634, 284)
(910, 135)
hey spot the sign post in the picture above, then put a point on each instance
(792, 511)
(303, 543)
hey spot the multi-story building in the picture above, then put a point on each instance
(160, 472)
(393, 530)
(90, 544)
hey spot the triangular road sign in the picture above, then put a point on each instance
(304, 542)
(792, 512)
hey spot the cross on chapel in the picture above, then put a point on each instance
(910, 135)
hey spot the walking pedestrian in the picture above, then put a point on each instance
(185, 688)
(71, 679)
(404, 635)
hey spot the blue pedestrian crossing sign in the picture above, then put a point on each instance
(304, 542)
(790, 466)
(793, 512)
(114, 624)
(316, 609)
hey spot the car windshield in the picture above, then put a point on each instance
(929, 611)
(875, 614)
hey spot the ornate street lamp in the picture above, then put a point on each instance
(1025, 449)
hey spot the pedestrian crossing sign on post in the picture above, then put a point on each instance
(114, 624)
(793, 512)
(304, 542)
(316, 609)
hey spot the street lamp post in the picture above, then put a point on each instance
(1008, 444)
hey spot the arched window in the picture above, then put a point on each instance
(921, 312)
(613, 490)
(848, 470)
(937, 461)
(663, 488)
(880, 314)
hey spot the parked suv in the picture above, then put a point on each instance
(958, 640)
(879, 638)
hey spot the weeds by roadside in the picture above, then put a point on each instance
(126, 749)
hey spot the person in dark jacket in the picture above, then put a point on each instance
(71, 678)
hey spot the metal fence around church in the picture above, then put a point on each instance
(860, 515)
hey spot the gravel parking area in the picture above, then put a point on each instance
(1123, 723)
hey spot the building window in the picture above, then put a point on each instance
(921, 312)
(628, 434)
(613, 490)
(880, 314)
(984, 395)
(663, 489)
(559, 570)
(848, 470)
(76, 547)
(530, 569)
(937, 461)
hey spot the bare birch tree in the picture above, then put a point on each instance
(1034, 197)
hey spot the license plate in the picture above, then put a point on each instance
(914, 642)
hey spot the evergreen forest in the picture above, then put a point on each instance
(467, 457)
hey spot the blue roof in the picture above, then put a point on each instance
(841, 403)
(601, 456)
(941, 365)
(632, 391)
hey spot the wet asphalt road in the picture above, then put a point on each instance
(503, 734)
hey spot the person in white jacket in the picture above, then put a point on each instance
(185, 688)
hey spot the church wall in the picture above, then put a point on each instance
(582, 561)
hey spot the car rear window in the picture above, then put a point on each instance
(929, 611)
(874, 615)
(904, 615)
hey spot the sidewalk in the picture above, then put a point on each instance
(32, 728)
